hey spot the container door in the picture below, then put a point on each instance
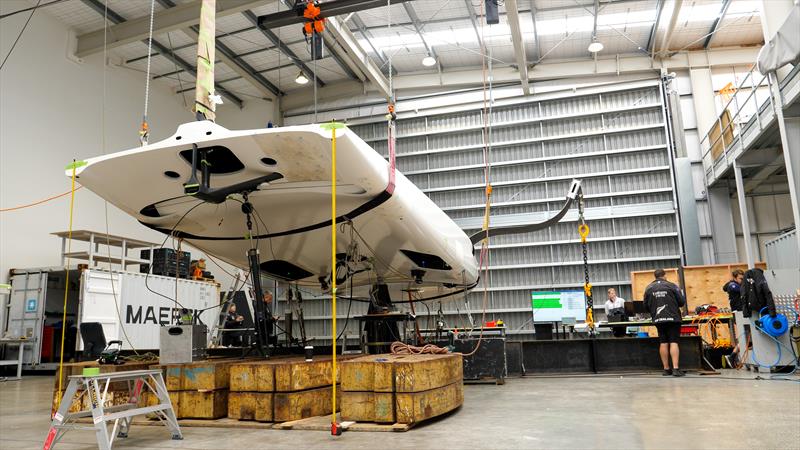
(25, 311)
(100, 292)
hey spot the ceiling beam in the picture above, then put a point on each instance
(345, 38)
(161, 48)
(717, 21)
(281, 46)
(671, 27)
(764, 174)
(362, 28)
(538, 47)
(651, 41)
(241, 67)
(234, 61)
(519, 44)
(639, 64)
(346, 65)
(418, 26)
(473, 17)
(331, 8)
(179, 17)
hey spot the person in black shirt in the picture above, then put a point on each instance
(664, 301)
(233, 321)
(734, 290)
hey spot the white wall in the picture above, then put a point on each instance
(51, 111)
(769, 208)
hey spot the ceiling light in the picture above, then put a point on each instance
(428, 61)
(301, 79)
(595, 46)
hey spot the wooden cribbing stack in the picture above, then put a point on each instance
(280, 390)
(199, 390)
(401, 389)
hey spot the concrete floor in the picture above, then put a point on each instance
(577, 412)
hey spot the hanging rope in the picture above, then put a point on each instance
(144, 131)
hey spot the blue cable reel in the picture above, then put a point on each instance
(773, 326)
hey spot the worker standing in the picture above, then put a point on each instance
(664, 301)
(734, 290)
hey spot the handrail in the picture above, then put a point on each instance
(737, 106)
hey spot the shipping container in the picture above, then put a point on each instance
(130, 306)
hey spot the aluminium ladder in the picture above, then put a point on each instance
(96, 387)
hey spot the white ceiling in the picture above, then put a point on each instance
(564, 30)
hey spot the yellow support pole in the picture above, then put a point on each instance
(73, 166)
(332, 127)
(333, 264)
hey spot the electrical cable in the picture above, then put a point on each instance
(347, 317)
(105, 202)
(20, 11)
(150, 269)
(21, 32)
(14, 208)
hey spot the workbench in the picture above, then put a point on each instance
(597, 355)
(20, 343)
(688, 320)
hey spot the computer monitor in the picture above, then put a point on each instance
(638, 307)
(629, 310)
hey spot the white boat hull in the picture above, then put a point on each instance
(395, 231)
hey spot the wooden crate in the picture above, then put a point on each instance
(255, 376)
(300, 405)
(414, 407)
(199, 375)
(201, 404)
(702, 284)
(77, 402)
(400, 373)
(367, 406)
(641, 278)
(250, 406)
(287, 374)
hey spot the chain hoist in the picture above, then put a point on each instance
(583, 231)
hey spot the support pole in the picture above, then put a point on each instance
(790, 143)
(744, 216)
(263, 319)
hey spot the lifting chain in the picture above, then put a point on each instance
(583, 231)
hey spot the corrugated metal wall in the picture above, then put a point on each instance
(613, 139)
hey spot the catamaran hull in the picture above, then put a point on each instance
(386, 232)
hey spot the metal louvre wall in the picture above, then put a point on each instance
(613, 139)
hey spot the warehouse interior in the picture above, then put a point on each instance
(443, 223)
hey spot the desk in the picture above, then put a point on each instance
(20, 354)
(688, 320)
(685, 321)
